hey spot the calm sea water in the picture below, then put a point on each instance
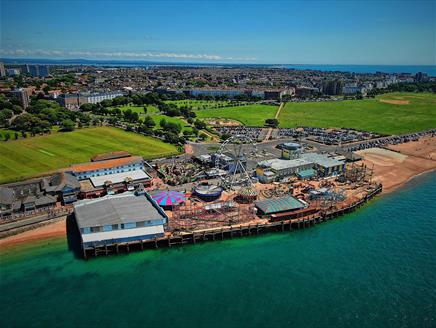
(373, 268)
(412, 69)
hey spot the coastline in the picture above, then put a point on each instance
(392, 168)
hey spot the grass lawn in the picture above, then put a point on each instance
(412, 112)
(250, 115)
(153, 113)
(30, 157)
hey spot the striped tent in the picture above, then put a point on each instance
(169, 198)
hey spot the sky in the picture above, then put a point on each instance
(264, 32)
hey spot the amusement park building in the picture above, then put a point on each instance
(119, 218)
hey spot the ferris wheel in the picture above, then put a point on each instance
(232, 159)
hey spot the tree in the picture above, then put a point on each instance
(5, 115)
(171, 137)
(68, 125)
(272, 122)
(163, 123)
(106, 103)
(17, 109)
(202, 136)
(145, 109)
(149, 122)
(199, 124)
(173, 127)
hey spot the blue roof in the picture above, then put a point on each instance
(306, 173)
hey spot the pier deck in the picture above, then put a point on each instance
(225, 232)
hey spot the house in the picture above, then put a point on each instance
(7, 199)
(62, 185)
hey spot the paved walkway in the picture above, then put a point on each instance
(23, 222)
(270, 130)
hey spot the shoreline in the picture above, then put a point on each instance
(401, 184)
(392, 167)
(57, 230)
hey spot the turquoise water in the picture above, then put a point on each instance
(373, 268)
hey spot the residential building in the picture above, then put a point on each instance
(75, 100)
(332, 87)
(13, 72)
(95, 98)
(7, 199)
(22, 96)
(37, 70)
(119, 218)
(2, 70)
(63, 185)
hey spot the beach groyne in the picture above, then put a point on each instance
(226, 232)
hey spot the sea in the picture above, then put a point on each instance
(373, 268)
(361, 69)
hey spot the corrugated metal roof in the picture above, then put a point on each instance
(281, 204)
(115, 209)
(119, 177)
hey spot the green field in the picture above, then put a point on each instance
(30, 157)
(369, 114)
(153, 113)
(250, 115)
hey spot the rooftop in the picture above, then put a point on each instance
(119, 177)
(282, 164)
(281, 204)
(116, 209)
(322, 159)
(92, 166)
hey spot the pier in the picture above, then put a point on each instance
(226, 232)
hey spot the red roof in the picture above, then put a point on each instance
(92, 166)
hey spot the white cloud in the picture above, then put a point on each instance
(118, 55)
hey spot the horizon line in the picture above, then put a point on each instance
(201, 62)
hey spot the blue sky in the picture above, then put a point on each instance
(274, 32)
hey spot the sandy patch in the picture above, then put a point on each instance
(223, 122)
(383, 157)
(393, 169)
(52, 230)
(395, 102)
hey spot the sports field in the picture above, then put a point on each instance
(30, 157)
(250, 115)
(393, 113)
